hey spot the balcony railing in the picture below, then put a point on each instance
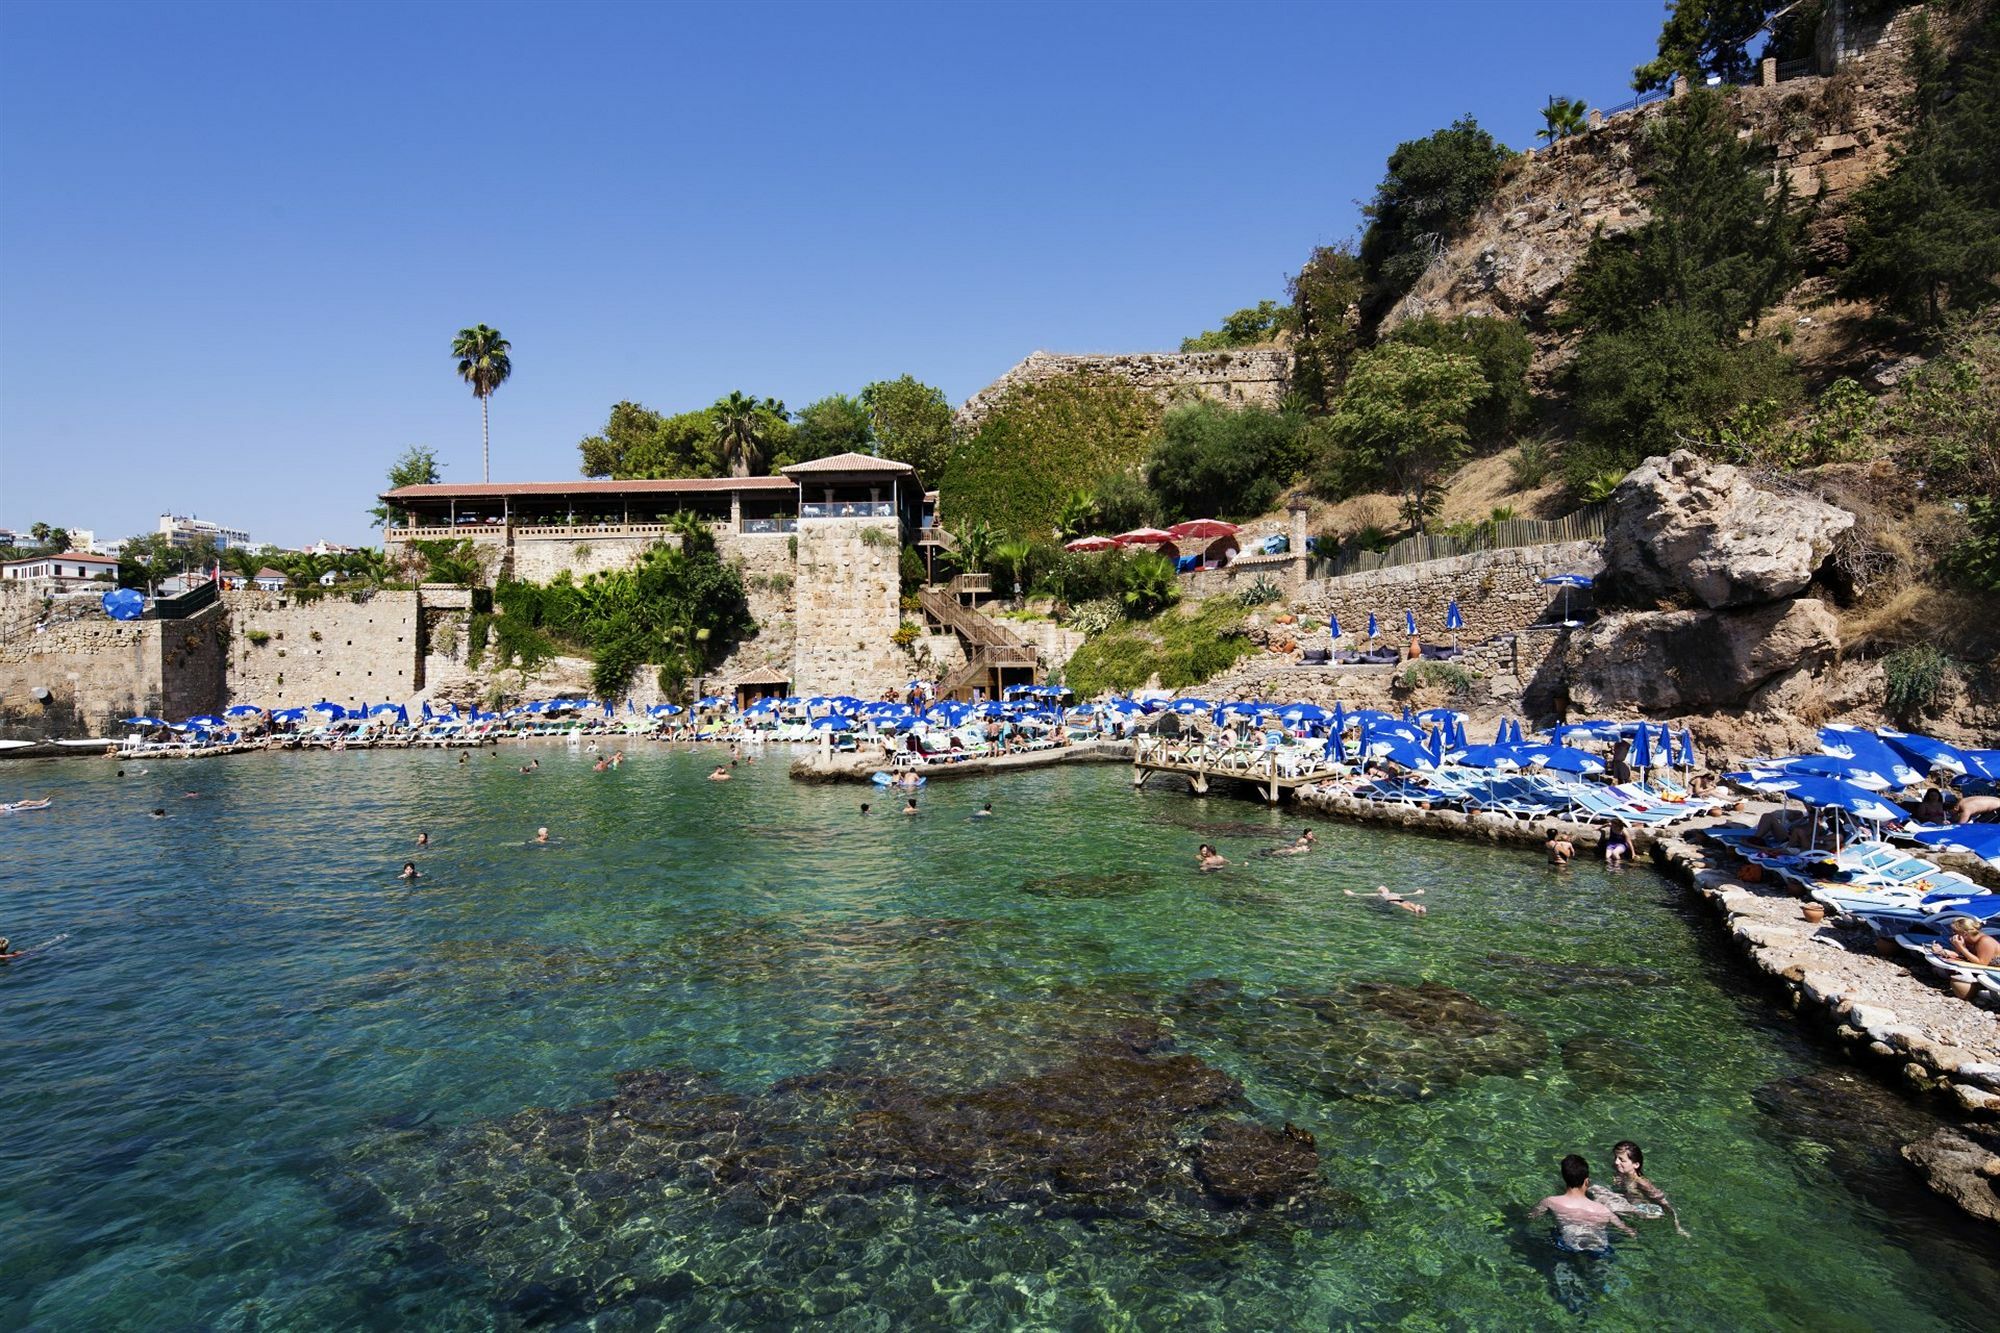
(783, 523)
(586, 531)
(491, 532)
(848, 509)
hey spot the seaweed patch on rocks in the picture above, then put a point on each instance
(574, 1211)
(1373, 1040)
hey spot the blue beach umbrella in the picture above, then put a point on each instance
(1336, 746)
(1566, 582)
(1371, 625)
(1339, 722)
(124, 604)
(1830, 766)
(242, 710)
(1452, 619)
(1832, 792)
(1923, 752)
(1487, 756)
(289, 715)
(1397, 750)
(1980, 840)
(1332, 626)
(145, 722)
(664, 710)
(716, 701)
(1434, 747)
(1642, 750)
(1561, 758)
(206, 720)
(831, 723)
(1982, 764)
(1303, 712)
(1687, 748)
(1866, 748)
(1442, 716)
(1410, 621)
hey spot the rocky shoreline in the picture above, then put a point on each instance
(862, 766)
(1880, 1015)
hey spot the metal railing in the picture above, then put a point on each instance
(1586, 524)
(848, 509)
(783, 523)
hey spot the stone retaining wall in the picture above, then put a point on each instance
(1498, 592)
(848, 597)
(330, 648)
(1244, 377)
(97, 670)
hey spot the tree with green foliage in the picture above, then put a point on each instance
(1705, 37)
(48, 540)
(1925, 236)
(1040, 442)
(1125, 502)
(1661, 383)
(836, 424)
(1716, 246)
(1504, 353)
(1561, 118)
(1401, 421)
(744, 431)
(638, 442)
(1216, 462)
(911, 423)
(1433, 187)
(1252, 326)
(1326, 323)
(418, 466)
(485, 361)
(972, 546)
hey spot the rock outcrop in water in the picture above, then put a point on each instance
(1373, 1039)
(555, 1204)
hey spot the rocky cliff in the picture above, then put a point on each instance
(1830, 134)
(1242, 377)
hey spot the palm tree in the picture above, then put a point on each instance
(973, 546)
(483, 363)
(1016, 556)
(1078, 513)
(1563, 116)
(739, 430)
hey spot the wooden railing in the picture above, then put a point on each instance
(1586, 524)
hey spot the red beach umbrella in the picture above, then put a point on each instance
(1203, 529)
(1090, 544)
(1145, 537)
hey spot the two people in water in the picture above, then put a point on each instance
(1585, 1210)
(1206, 857)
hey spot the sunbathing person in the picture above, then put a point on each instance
(1635, 1196)
(1969, 944)
(1383, 895)
(1580, 1219)
(1774, 827)
(1970, 808)
(1932, 809)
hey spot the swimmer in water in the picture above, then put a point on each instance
(864, 807)
(7, 945)
(1635, 1195)
(910, 806)
(721, 773)
(1580, 1219)
(423, 839)
(600, 766)
(984, 811)
(410, 871)
(1206, 858)
(1617, 844)
(158, 812)
(1299, 846)
(1559, 848)
(1383, 895)
(542, 835)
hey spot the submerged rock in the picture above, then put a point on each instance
(1244, 1163)
(1964, 1166)
(1372, 1039)
(1598, 1061)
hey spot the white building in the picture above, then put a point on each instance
(329, 548)
(70, 566)
(186, 531)
(270, 580)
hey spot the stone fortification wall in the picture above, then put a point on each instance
(1245, 377)
(1498, 592)
(98, 670)
(329, 648)
(1831, 135)
(849, 607)
(540, 559)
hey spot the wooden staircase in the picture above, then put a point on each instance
(995, 657)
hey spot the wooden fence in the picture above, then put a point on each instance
(1585, 524)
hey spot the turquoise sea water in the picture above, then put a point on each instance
(265, 1084)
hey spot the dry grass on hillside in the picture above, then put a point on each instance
(1472, 494)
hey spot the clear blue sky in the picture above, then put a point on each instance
(235, 241)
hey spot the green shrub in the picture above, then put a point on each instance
(1450, 676)
(905, 635)
(1261, 593)
(1975, 561)
(1095, 616)
(1150, 584)
(260, 637)
(1532, 461)
(1400, 422)
(477, 631)
(1216, 462)
(1504, 353)
(876, 537)
(1181, 650)
(1915, 677)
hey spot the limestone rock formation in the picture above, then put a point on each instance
(1681, 528)
(1962, 1167)
(1690, 661)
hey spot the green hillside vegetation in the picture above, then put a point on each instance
(1180, 649)
(1041, 442)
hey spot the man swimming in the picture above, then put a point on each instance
(1580, 1219)
(1207, 858)
(423, 839)
(5, 946)
(542, 835)
(1383, 895)
(721, 773)
(910, 806)
(984, 811)
(410, 871)
(1298, 846)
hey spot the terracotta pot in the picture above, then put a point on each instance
(1813, 912)
(1962, 989)
(1284, 619)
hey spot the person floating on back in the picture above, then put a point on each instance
(1580, 1219)
(1383, 895)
